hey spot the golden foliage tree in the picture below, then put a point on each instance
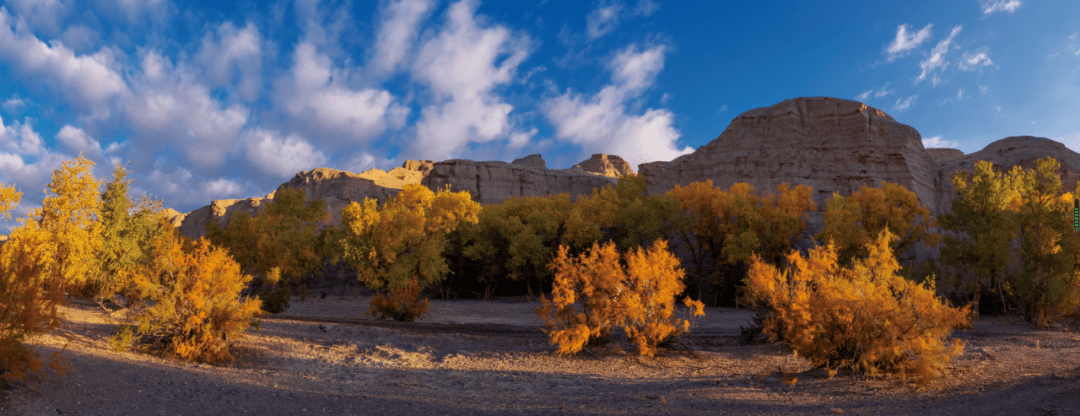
(127, 228)
(402, 242)
(28, 296)
(1048, 284)
(722, 229)
(852, 222)
(983, 225)
(282, 242)
(193, 309)
(515, 239)
(639, 296)
(863, 317)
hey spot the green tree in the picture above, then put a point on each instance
(852, 222)
(401, 242)
(127, 228)
(1048, 281)
(982, 225)
(282, 242)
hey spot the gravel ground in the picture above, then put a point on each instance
(474, 357)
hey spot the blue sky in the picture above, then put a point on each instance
(206, 101)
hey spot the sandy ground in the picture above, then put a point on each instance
(473, 357)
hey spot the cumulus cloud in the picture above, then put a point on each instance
(398, 31)
(282, 156)
(605, 18)
(76, 140)
(462, 65)
(318, 95)
(603, 123)
(44, 16)
(971, 61)
(991, 6)
(906, 41)
(21, 138)
(936, 60)
(167, 107)
(14, 103)
(904, 103)
(88, 81)
(938, 142)
(231, 55)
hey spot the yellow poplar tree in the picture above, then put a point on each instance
(852, 222)
(400, 244)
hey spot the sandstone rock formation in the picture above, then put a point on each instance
(1020, 151)
(494, 182)
(831, 144)
(941, 155)
(611, 166)
(531, 161)
(337, 188)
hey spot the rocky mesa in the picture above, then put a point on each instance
(834, 145)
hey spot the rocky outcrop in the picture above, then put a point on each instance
(193, 224)
(1020, 151)
(494, 182)
(941, 155)
(531, 161)
(337, 188)
(611, 166)
(831, 144)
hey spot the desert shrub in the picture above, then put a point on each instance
(404, 304)
(194, 307)
(864, 317)
(401, 243)
(28, 296)
(594, 293)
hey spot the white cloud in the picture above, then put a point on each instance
(282, 156)
(221, 188)
(462, 65)
(89, 81)
(607, 17)
(319, 96)
(936, 60)
(602, 124)
(904, 103)
(398, 31)
(991, 6)
(722, 109)
(905, 41)
(231, 55)
(137, 11)
(971, 61)
(365, 161)
(960, 94)
(31, 178)
(938, 142)
(14, 103)
(883, 92)
(21, 138)
(77, 140)
(167, 107)
(44, 16)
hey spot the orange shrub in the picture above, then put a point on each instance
(864, 317)
(404, 304)
(640, 297)
(28, 296)
(195, 292)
